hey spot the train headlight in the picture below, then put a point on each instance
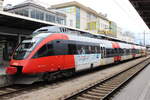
(11, 70)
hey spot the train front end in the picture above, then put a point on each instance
(20, 60)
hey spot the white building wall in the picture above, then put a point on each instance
(119, 32)
(71, 20)
(71, 15)
(85, 18)
(103, 24)
(1, 4)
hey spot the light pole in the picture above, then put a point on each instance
(144, 38)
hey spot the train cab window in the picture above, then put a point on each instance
(46, 50)
(42, 51)
(50, 50)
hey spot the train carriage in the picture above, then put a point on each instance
(50, 54)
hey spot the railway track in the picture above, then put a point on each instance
(103, 90)
(7, 92)
(94, 92)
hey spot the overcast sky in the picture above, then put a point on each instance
(120, 11)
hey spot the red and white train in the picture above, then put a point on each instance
(50, 53)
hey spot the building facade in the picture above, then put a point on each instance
(31, 8)
(1, 4)
(82, 17)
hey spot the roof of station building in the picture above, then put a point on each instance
(143, 8)
(75, 3)
(35, 4)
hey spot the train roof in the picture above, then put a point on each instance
(60, 29)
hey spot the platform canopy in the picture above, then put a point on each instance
(143, 8)
(16, 24)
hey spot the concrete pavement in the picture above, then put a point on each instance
(137, 89)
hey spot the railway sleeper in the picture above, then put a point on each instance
(93, 97)
(2, 92)
(112, 82)
(95, 93)
(104, 89)
(99, 91)
(110, 85)
(82, 98)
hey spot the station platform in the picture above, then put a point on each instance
(2, 70)
(137, 89)
(4, 81)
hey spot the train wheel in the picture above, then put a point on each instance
(49, 77)
(57, 75)
(69, 73)
(92, 67)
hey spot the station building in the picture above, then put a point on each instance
(28, 16)
(85, 18)
(13, 29)
(72, 14)
(33, 9)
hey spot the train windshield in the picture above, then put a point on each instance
(24, 49)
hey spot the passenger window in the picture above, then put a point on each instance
(81, 49)
(72, 49)
(93, 49)
(90, 50)
(96, 50)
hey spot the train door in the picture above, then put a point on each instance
(60, 50)
(102, 61)
(50, 57)
(103, 52)
(82, 59)
(1, 53)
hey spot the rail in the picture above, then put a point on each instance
(103, 90)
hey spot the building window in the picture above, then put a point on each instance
(23, 12)
(91, 26)
(77, 17)
(37, 14)
(71, 23)
(50, 18)
(59, 20)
